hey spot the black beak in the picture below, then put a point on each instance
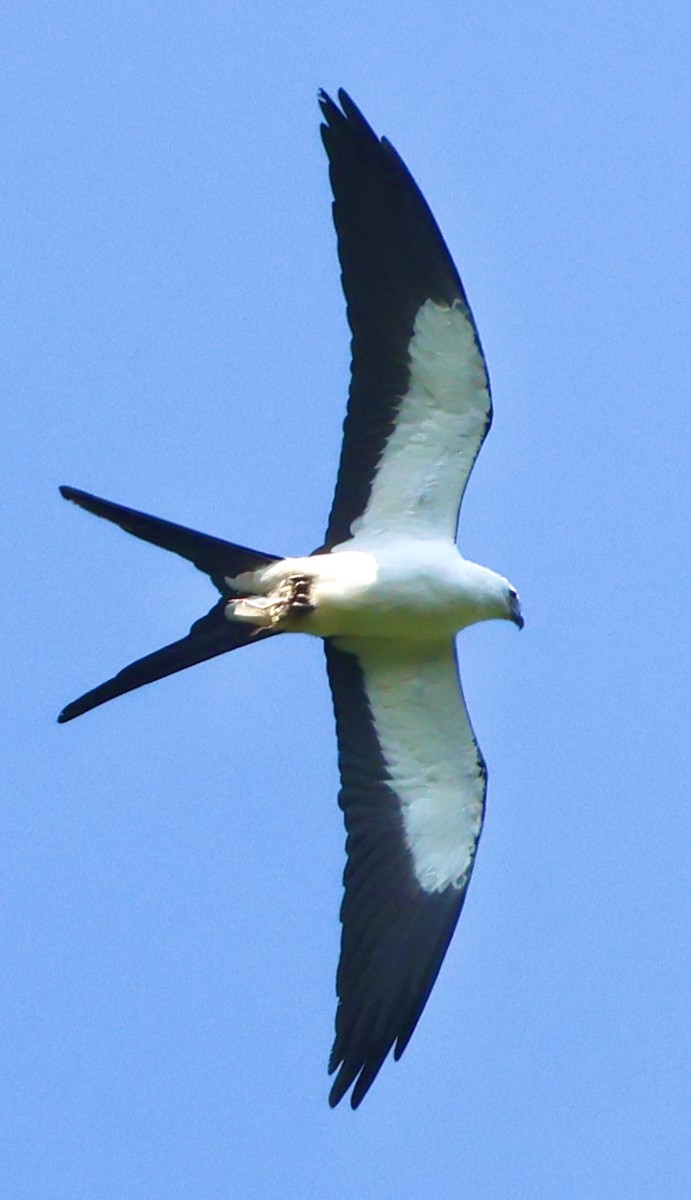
(516, 614)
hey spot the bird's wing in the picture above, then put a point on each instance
(413, 785)
(419, 405)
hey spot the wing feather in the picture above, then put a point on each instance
(419, 404)
(412, 793)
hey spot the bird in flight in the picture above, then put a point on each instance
(386, 591)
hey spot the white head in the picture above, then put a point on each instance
(493, 595)
(513, 601)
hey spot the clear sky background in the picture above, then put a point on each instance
(174, 338)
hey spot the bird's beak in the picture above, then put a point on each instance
(516, 614)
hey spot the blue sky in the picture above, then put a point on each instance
(174, 338)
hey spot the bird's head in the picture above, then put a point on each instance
(490, 595)
(513, 606)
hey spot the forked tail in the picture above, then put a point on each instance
(210, 636)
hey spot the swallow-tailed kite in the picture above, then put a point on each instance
(387, 592)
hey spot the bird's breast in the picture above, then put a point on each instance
(405, 589)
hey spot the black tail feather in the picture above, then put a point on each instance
(215, 557)
(209, 636)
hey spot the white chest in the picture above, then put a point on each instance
(418, 589)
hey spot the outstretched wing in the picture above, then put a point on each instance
(419, 405)
(413, 787)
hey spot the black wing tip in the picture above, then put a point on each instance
(328, 105)
(348, 113)
(330, 111)
(342, 1084)
(356, 1074)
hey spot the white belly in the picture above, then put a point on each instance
(407, 588)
